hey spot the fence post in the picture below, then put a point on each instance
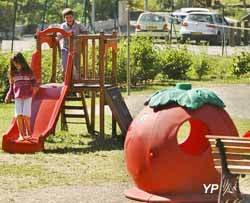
(238, 34)
(232, 35)
(1, 41)
(246, 37)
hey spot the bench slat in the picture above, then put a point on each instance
(236, 169)
(217, 162)
(216, 155)
(233, 143)
(229, 149)
(227, 137)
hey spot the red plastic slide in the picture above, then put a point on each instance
(46, 104)
(45, 111)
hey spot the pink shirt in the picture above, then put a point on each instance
(22, 86)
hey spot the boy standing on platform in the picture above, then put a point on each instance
(70, 25)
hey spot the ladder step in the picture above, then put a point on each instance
(73, 107)
(71, 122)
(74, 115)
(73, 98)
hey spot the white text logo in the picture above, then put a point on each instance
(210, 188)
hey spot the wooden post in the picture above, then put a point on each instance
(54, 53)
(93, 94)
(86, 59)
(63, 119)
(232, 36)
(68, 79)
(114, 77)
(38, 74)
(85, 111)
(102, 93)
(238, 34)
(246, 33)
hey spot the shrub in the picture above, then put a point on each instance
(200, 66)
(241, 64)
(122, 62)
(4, 84)
(143, 60)
(175, 62)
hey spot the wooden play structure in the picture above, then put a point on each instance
(96, 78)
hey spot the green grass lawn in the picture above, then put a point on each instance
(70, 158)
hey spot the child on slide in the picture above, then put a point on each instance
(22, 86)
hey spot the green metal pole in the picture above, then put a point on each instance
(128, 50)
(115, 13)
(93, 13)
(44, 14)
(66, 4)
(14, 26)
(145, 5)
(84, 14)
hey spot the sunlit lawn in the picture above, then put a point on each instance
(70, 158)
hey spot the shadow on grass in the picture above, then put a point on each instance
(96, 144)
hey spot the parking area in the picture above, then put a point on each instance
(29, 44)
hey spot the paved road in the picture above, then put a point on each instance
(235, 97)
(25, 44)
(29, 44)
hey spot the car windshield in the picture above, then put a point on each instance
(200, 18)
(152, 18)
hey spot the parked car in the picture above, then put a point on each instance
(204, 26)
(182, 13)
(178, 16)
(152, 24)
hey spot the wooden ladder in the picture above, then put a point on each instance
(74, 113)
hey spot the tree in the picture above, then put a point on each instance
(6, 14)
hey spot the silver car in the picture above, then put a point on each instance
(204, 26)
(180, 14)
(152, 24)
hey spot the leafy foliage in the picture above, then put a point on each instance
(31, 12)
(241, 64)
(175, 62)
(144, 60)
(4, 60)
(200, 65)
(122, 61)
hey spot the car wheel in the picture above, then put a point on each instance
(217, 39)
(183, 40)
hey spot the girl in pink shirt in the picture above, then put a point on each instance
(22, 86)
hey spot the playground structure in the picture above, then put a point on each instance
(165, 170)
(50, 100)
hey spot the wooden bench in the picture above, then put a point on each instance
(231, 156)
